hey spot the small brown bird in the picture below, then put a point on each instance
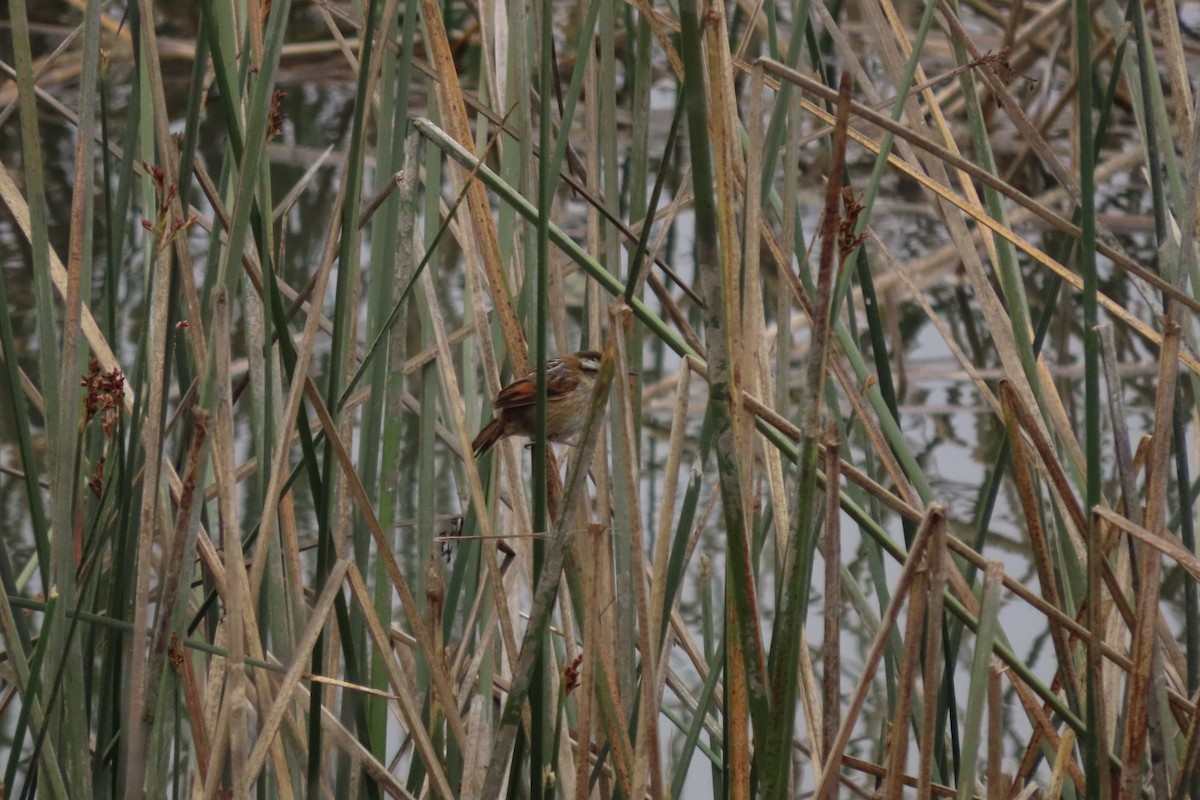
(569, 382)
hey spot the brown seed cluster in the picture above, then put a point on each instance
(96, 482)
(275, 121)
(571, 674)
(104, 396)
(165, 227)
(848, 240)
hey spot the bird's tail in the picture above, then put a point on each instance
(487, 437)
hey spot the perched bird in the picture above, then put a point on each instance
(569, 382)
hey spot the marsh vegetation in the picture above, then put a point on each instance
(886, 488)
